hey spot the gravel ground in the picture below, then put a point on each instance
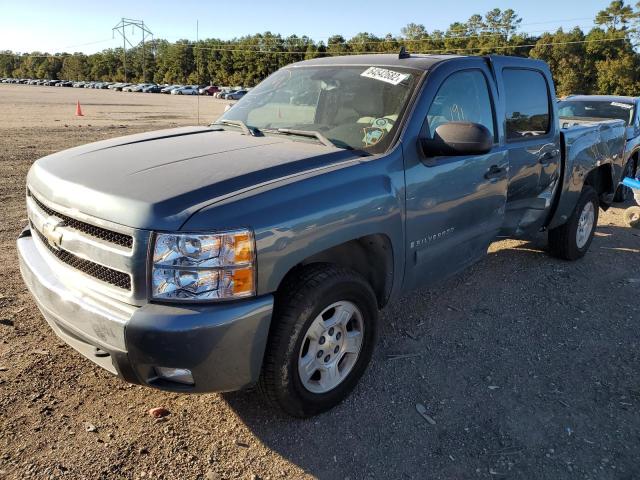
(527, 365)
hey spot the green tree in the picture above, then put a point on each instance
(616, 16)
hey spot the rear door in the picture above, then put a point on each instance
(533, 142)
(454, 205)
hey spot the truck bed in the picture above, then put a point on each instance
(587, 144)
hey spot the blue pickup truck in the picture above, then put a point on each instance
(260, 249)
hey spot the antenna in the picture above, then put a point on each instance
(121, 29)
(403, 53)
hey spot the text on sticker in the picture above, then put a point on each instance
(385, 75)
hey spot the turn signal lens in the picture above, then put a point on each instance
(242, 282)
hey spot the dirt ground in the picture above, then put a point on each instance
(529, 366)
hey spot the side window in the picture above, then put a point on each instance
(527, 103)
(463, 97)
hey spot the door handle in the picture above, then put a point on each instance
(547, 156)
(494, 172)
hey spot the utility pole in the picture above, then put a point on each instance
(121, 29)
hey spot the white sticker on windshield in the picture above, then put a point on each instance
(622, 105)
(384, 75)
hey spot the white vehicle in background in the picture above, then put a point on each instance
(188, 90)
(169, 88)
(137, 88)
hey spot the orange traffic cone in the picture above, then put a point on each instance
(79, 110)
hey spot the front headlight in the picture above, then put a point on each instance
(195, 266)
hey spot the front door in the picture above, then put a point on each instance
(454, 205)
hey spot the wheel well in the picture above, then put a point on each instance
(371, 256)
(601, 180)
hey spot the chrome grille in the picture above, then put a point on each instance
(100, 272)
(97, 232)
(112, 258)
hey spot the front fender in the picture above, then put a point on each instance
(297, 218)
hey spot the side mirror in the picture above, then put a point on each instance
(457, 139)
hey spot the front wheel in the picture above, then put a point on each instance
(322, 337)
(571, 240)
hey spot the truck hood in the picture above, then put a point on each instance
(157, 180)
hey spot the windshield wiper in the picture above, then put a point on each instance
(308, 133)
(253, 131)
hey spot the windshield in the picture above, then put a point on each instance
(354, 107)
(597, 109)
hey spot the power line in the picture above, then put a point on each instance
(401, 42)
(429, 37)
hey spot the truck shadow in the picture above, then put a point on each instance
(509, 358)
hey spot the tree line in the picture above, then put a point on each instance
(602, 60)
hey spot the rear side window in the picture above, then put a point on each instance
(463, 97)
(527, 104)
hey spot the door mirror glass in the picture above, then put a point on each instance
(457, 139)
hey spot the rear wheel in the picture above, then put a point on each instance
(571, 240)
(321, 341)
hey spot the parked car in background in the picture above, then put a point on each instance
(186, 90)
(223, 91)
(120, 86)
(140, 87)
(210, 90)
(151, 89)
(577, 109)
(169, 88)
(223, 95)
(237, 95)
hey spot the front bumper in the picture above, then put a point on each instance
(222, 345)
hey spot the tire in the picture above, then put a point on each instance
(624, 193)
(632, 217)
(565, 241)
(314, 290)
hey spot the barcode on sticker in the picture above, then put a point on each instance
(385, 75)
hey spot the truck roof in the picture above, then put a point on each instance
(602, 98)
(415, 61)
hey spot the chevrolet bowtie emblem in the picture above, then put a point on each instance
(54, 238)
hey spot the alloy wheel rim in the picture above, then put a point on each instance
(331, 347)
(585, 225)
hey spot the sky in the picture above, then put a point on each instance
(69, 26)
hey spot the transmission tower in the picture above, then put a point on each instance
(121, 28)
